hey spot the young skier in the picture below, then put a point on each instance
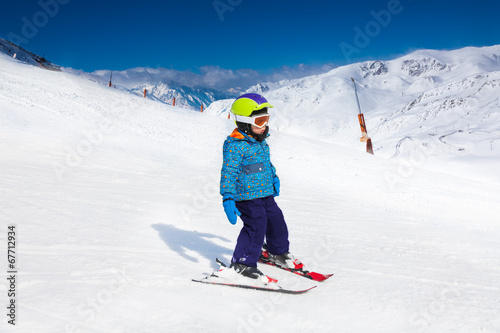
(248, 186)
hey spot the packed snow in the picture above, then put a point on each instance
(116, 207)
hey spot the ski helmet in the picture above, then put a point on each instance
(248, 103)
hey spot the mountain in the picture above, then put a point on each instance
(25, 56)
(159, 85)
(185, 96)
(432, 103)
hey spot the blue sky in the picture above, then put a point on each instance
(264, 36)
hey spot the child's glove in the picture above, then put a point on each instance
(231, 210)
(276, 184)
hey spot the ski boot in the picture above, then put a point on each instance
(251, 272)
(285, 260)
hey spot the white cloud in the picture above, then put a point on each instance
(216, 77)
(241, 79)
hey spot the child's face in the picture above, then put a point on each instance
(257, 130)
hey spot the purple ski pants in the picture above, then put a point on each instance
(262, 218)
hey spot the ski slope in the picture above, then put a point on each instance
(116, 204)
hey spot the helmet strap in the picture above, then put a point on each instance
(260, 137)
(245, 128)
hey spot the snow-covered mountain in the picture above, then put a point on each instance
(434, 103)
(25, 56)
(158, 85)
(185, 96)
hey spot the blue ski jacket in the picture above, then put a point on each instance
(247, 172)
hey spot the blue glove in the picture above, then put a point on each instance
(276, 184)
(231, 210)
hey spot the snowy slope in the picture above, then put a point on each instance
(156, 81)
(440, 105)
(116, 203)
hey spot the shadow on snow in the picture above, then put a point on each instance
(182, 241)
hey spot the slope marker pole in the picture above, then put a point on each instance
(362, 124)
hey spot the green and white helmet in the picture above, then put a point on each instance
(248, 103)
(251, 109)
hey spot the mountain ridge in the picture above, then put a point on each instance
(21, 54)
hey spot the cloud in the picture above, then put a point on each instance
(215, 77)
(241, 79)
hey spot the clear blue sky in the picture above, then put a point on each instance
(242, 34)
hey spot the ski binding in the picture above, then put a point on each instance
(299, 268)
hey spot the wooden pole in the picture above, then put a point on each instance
(145, 92)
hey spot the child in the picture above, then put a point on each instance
(248, 186)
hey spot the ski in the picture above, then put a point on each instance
(278, 290)
(264, 258)
(228, 277)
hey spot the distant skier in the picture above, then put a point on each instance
(248, 186)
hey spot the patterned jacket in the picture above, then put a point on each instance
(247, 172)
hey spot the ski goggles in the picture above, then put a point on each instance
(259, 120)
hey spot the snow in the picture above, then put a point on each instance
(443, 105)
(115, 199)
